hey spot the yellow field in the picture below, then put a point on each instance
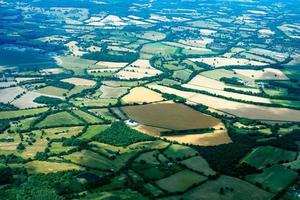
(142, 95)
(35, 167)
(265, 74)
(80, 81)
(235, 108)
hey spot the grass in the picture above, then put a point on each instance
(198, 164)
(217, 74)
(183, 75)
(124, 194)
(91, 160)
(57, 147)
(87, 117)
(288, 103)
(176, 151)
(103, 112)
(59, 119)
(23, 124)
(93, 130)
(94, 102)
(274, 179)
(158, 48)
(21, 113)
(60, 132)
(55, 91)
(236, 189)
(180, 181)
(260, 157)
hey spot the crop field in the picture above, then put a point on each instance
(138, 70)
(204, 82)
(223, 61)
(9, 94)
(142, 95)
(217, 74)
(80, 81)
(274, 178)
(175, 116)
(267, 155)
(27, 100)
(236, 108)
(149, 99)
(265, 74)
(36, 167)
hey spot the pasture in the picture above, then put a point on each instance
(59, 119)
(261, 157)
(180, 181)
(274, 179)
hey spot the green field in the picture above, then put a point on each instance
(158, 48)
(88, 118)
(177, 152)
(93, 130)
(59, 119)
(233, 189)
(274, 179)
(182, 75)
(21, 113)
(180, 181)
(55, 91)
(198, 164)
(260, 157)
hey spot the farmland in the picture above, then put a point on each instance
(149, 99)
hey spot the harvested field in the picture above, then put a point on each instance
(175, 116)
(142, 95)
(200, 81)
(243, 97)
(223, 62)
(235, 108)
(9, 94)
(137, 70)
(265, 74)
(79, 81)
(103, 64)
